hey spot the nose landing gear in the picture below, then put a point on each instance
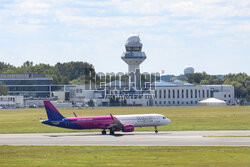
(156, 131)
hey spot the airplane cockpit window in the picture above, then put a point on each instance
(164, 117)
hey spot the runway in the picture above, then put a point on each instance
(170, 138)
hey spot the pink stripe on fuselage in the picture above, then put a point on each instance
(96, 122)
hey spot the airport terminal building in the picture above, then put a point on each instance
(27, 85)
(37, 87)
(175, 93)
(179, 93)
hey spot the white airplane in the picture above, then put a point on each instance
(144, 120)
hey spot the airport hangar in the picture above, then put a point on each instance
(34, 88)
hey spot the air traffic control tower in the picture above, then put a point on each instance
(133, 55)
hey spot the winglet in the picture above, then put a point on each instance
(116, 123)
(112, 116)
(75, 114)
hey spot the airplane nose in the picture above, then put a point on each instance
(168, 121)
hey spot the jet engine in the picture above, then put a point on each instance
(128, 128)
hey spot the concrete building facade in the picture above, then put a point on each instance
(11, 102)
(179, 93)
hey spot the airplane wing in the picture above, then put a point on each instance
(117, 125)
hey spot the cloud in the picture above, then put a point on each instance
(34, 7)
(113, 22)
(175, 24)
(117, 13)
(188, 8)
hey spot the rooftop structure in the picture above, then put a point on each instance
(188, 70)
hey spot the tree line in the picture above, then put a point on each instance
(83, 72)
(62, 73)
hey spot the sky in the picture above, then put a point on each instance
(209, 35)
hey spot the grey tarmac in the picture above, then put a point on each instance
(163, 138)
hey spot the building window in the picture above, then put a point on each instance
(203, 93)
(169, 94)
(199, 92)
(155, 102)
(207, 93)
(178, 102)
(195, 93)
(160, 102)
(160, 93)
(182, 93)
(229, 95)
(78, 90)
(191, 102)
(169, 102)
(164, 102)
(173, 102)
(173, 93)
(186, 93)
(186, 102)
(211, 93)
(191, 92)
(164, 93)
(155, 93)
(225, 95)
(178, 93)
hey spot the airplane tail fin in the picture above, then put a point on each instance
(52, 112)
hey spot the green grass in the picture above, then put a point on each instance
(123, 156)
(183, 118)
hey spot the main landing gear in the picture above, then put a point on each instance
(104, 132)
(112, 132)
(156, 131)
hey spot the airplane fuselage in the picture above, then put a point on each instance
(102, 122)
(124, 123)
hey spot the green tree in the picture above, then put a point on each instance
(27, 64)
(196, 78)
(114, 101)
(240, 81)
(241, 84)
(3, 90)
(204, 82)
(62, 73)
(4, 66)
(91, 103)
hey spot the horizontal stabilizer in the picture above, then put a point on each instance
(75, 114)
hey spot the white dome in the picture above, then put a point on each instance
(189, 70)
(133, 39)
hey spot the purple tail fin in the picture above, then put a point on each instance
(52, 112)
